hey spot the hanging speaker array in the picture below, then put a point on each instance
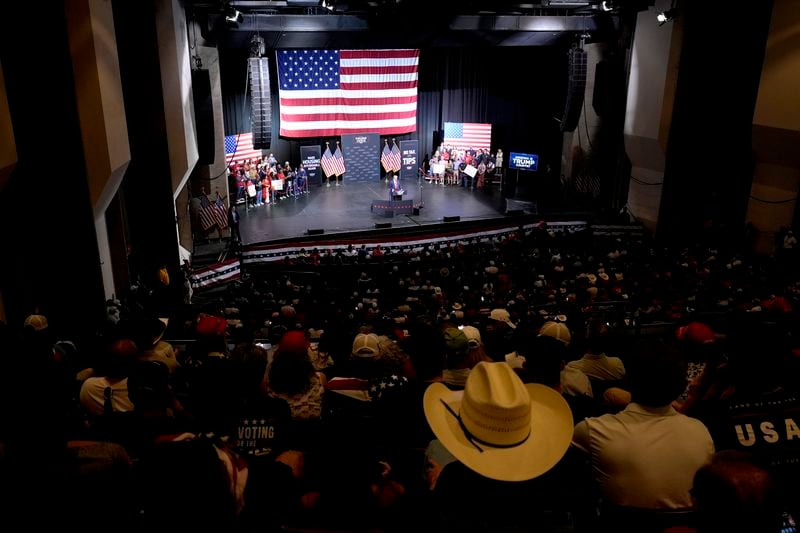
(575, 89)
(260, 102)
(203, 116)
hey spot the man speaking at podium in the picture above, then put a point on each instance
(395, 192)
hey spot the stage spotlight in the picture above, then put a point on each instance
(232, 14)
(607, 5)
(665, 16)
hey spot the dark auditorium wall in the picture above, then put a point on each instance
(146, 191)
(708, 174)
(49, 252)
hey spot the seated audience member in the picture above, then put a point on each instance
(459, 358)
(557, 330)
(753, 403)
(291, 377)
(150, 333)
(736, 493)
(702, 352)
(156, 411)
(192, 483)
(35, 355)
(108, 392)
(499, 439)
(211, 332)
(595, 363)
(574, 383)
(645, 456)
(425, 347)
(477, 353)
(544, 363)
(263, 423)
(497, 334)
(373, 376)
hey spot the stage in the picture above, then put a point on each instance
(347, 208)
(327, 217)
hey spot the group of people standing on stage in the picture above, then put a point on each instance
(265, 181)
(453, 161)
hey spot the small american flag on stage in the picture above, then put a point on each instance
(206, 213)
(240, 147)
(386, 157)
(212, 214)
(338, 161)
(326, 162)
(334, 92)
(220, 213)
(467, 135)
(395, 159)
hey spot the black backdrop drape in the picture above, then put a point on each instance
(519, 90)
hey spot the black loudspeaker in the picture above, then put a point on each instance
(319, 231)
(383, 225)
(415, 211)
(575, 89)
(452, 219)
(260, 102)
(203, 116)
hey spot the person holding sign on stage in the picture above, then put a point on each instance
(395, 192)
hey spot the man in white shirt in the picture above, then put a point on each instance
(108, 392)
(595, 363)
(645, 457)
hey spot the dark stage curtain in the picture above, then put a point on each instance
(488, 85)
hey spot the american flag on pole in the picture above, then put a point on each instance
(220, 213)
(206, 213)
(240, 147)
(338, 161)
(386, 156)
(466, 135)
(394, 158)
(326, 162)
(334, 92)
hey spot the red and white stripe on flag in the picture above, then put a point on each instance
(326, 162)
(338, 161)
(386, 157)
(220, 213)
(395, 159)
(239, 147)
(206, 213)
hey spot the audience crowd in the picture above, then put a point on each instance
(542, 380)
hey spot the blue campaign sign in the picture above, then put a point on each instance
(523, 161)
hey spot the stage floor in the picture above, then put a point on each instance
(346, 208)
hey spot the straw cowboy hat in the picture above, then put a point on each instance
(498, 426)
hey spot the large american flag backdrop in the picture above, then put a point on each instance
(335, 92)
(467, 135)
(240, 147)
